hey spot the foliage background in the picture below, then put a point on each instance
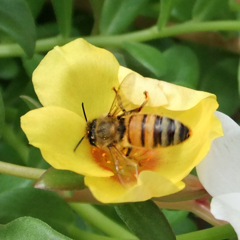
(193, 43)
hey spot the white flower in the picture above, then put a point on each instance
(219, 172)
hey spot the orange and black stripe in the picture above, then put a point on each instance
(151, 131)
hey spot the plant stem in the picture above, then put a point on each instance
(198, 208)
(20, 171)
(79, 234)
(153, 33)
(92, 215)
(43, 45)
(214, 233)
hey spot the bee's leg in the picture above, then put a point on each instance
(136, 110)
(127, 160)
(126, 170)
(119, 100)
(116, 164)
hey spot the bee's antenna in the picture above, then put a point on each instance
(84, 112)
(86, 121)
(79, 143)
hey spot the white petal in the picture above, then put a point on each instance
(226, 207)
(219, 170)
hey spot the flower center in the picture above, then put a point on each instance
(126, 169)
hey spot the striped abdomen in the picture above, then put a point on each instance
(151, 131)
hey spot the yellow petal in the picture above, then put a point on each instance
(150, 184)
(75, 73)
(195, 109)
(176, 162)
(161, 93)
(57, 131)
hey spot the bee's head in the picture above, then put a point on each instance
(91, 126)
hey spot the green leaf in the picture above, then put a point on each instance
(61, 180)
(146, 220)
(45, 205)
(187, 225)
(97, 6)
(28, 228)
(234, 5)
(63, 11)
(8, 182)
(32, 103)
(150, 57)
(182, 66)
(175, 216)
(166, 7)
(182, 10)
(117, 15)
(207, 10)
(221, 79)
(8, 154)
(16, 20)
(238, 77)
(2, 115)
(35, 159)
(31, 64)
(9, 68)
(35, 6)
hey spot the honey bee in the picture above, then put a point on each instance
(122, 130)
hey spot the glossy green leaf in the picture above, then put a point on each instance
(166, 7)
(28, 228)
(8, 182)
(150, 57)
(145, 220)
(221, 79)
(16, 20)
(182, 66)
(44, 205)
(32, 103)
(61, 180)
(35, 6)
(117, 15)
(63, 11)
(2, 115)
(186, 225)
(175, 216)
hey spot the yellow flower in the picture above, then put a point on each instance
(81, 73)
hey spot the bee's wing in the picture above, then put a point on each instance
(126, 169)
(121, 103)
